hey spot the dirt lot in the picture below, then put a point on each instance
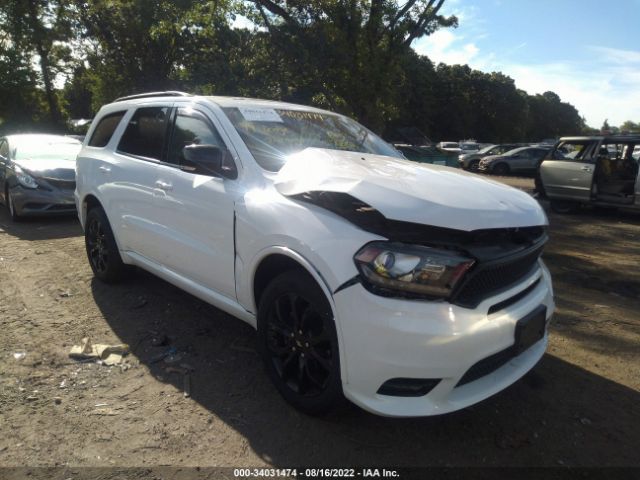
(579, 407)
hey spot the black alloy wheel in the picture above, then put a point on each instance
(298, 343)
(102, 250)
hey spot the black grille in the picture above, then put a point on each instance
(62, 184)
(495, 277)
(487, 365)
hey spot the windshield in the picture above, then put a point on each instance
(514, 151)
(272, 134)
(486, 149)
(47, 150)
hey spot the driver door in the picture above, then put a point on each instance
(196, 210)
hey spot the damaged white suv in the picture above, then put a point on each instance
(409, 289)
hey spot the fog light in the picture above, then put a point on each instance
(408, 387)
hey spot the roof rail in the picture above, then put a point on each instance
(170, 93)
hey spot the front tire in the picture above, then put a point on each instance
(474, 165)
(102, 250)
(501, 169)
(298, 343)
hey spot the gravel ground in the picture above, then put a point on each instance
(579, 407)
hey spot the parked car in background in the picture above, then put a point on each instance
(468, 146)
(429, 154)
(37, 174)
(471, 160)
(598, 170)
(450, 146)
(411, 289)
(518, 160)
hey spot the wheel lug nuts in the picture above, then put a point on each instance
(299, 332)
(306, 345)
(293, 349)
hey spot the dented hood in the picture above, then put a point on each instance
(407, 191)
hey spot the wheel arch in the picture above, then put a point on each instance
(88, 202)
(268, 260)
(273, 261)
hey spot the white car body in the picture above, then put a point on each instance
(450, 147)
(162, 219)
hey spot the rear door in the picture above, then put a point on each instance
(567, 170)
(196, 210)
(128, 179)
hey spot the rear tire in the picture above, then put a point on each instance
(298, 343)
(564, 206)
(102, 250)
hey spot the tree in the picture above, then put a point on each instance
(349, 52)
(41, 30)
(135, 46)
(630, 126)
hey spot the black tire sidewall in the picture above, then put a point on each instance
(302, 284)
(116, 269)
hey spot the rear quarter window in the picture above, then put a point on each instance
(105, 128)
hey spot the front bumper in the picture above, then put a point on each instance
(38, 201)
(386, 338)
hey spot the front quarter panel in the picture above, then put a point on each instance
(266, 219)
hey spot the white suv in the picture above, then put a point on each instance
(409, 289)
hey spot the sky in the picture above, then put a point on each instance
(586, 51)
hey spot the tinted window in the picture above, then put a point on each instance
(105, 128)
(146, 132)
(193, 128)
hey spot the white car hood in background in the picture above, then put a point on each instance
(412, 192)
(58, 168)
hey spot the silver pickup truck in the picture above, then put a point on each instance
(598, 170)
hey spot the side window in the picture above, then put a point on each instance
(578, 151)
(146, 132)
(193, 128)
(105, 128)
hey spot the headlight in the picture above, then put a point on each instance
(413, 269)
(25, 179)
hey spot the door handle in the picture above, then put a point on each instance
(164, 186)
(586, 169)
(104, 169)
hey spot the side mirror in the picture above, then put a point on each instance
(203, 160)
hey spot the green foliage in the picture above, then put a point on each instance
(350, 56)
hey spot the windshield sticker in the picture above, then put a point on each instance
(260, 114)
(300, 115)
